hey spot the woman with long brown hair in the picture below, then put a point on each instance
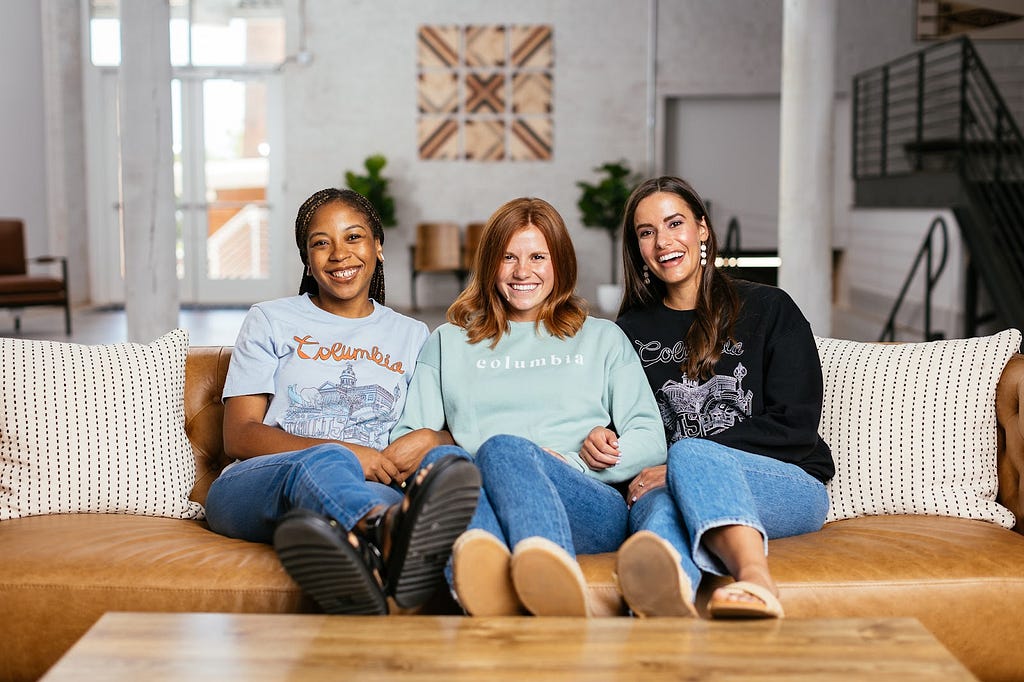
(520, 376)
(735, 371)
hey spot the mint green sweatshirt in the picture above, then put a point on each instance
(551, 391)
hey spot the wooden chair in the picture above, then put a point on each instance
(18, 288)
(471, 244)
(437, 249)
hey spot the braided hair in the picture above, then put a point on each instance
(356, 202)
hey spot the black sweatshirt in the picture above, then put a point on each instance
(765, 396)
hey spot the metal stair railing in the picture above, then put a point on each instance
(907, 112)
(992, 160)
(732, 237)
(939, 110)
(932, 272)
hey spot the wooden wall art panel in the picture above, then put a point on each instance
(485, 92)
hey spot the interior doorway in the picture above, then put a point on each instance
(728, 149)
(222, 186)
(227, 132)
(226, 188)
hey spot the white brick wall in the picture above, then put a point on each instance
(358, 96)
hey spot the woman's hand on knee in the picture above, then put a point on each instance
(376, 467)
(600, 449)
(408, 452)
(647, 480)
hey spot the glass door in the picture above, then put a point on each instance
(227, 124)
(223, 190)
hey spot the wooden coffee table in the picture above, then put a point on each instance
(168, 646)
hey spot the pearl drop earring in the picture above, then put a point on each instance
(646, 274)
(703, 254)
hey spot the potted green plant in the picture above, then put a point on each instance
(601, 206)
(374, 187)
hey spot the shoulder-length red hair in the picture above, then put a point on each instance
(481, 310)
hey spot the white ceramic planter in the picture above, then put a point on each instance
(608, 298)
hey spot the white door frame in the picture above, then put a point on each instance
(105, 240)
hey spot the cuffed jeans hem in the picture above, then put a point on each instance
(248, 501)
(346, 515)
(706, 560)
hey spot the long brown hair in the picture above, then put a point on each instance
(482, 312)
(718, 306)
(355, 201)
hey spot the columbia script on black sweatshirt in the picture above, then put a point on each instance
(766, 392)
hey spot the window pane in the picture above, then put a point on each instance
(179, 9)
(237, 33)
(237, 171)
(105, 41)
(179, 42)
(238, 249)
(176, 135)
(179, 243)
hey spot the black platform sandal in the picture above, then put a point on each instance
(317, 554)
(426, 524)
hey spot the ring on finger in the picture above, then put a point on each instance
(641, 484)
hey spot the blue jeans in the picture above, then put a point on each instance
(711, 485)
(529, 492)
(248, 500)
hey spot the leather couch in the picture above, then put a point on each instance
(963, 579)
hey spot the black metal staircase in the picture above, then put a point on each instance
(936, 240)
(932, 130)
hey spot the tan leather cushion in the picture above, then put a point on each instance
(963, 579)
(82, 565)
(1009, 396)
(206, 368)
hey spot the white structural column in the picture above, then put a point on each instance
(65, 140)
(806, 157)
(151, 281)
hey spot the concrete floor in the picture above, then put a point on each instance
(219, 326)
(206, 327)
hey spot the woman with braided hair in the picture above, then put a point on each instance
(315, 385)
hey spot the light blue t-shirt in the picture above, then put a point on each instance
(329, 376)
(551, 391)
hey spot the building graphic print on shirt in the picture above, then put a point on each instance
(343, 411)
(762, 394)
(690, 409)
